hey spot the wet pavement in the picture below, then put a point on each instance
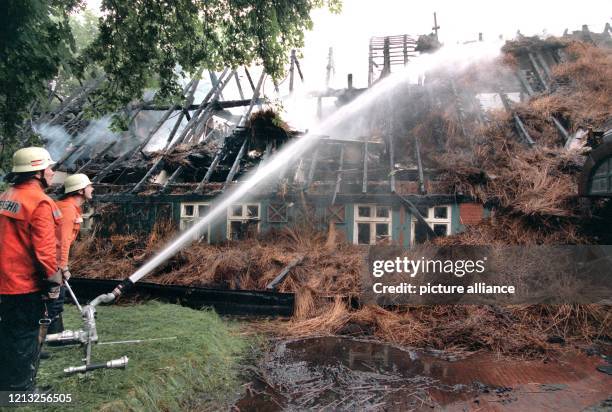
(338, 373)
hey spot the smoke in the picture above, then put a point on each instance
(95, 138)
(56, 139)
(400, 100)
(145, 121)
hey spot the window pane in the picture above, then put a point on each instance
(237, 210)
(363, 211)
(363, 233)
(441, 212)
(186, 224)
(382, 230)
(440, 229)
(251, 229)
(252, 211)
(188, 210)
(203, 235)
(236, 231)
(382, 211)
(202, 210)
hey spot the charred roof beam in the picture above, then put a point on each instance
(538, 73)
(391, 165)
(215, 91)
(97, 155)
(156, 166)
(236, 164)
(200, 187)
(518, 123)
(130, 154)
(524, 83)
(202, 115)
(171, 179)
(564, 133)
(184, 112)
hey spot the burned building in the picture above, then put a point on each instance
(379, 180)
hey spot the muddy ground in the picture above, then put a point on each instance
(340, 373)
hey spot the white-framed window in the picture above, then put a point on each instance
(190, 213)
(438, 218)
(372, 224)
(243, 220)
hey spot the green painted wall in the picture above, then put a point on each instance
(400, 231)
(349, 220)
(455, 220)
(403, 229)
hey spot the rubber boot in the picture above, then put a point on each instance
(56, 326)
(44, 355)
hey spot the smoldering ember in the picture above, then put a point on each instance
(236, 203)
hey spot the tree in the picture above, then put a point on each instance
(140, 42)
(35, 40)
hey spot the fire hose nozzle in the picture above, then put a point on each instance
(120, 363)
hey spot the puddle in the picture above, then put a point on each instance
(338, 373)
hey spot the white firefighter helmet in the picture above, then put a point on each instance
(76, 182)
(31, 159)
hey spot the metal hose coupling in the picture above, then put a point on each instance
(104, 298)
(68, 336)
(120, 363)
(122, 287)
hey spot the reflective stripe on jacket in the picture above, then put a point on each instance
(71, 224)
(29, 238)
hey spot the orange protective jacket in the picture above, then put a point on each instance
(29, 242)
(71, 224)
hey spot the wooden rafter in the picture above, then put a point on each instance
(364, 180)
(417, 150)
(338, 175)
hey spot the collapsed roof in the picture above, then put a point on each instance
(402, 145)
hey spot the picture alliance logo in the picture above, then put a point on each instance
(413, 267)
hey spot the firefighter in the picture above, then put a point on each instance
(77, 190)
(29, 274)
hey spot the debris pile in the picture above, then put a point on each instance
(325, 284)
(246, 264)
(534, 190)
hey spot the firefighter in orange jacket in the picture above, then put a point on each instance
(77, 190)
(29, 226)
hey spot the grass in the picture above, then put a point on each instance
(197, 371)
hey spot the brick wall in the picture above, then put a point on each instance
(470, 213)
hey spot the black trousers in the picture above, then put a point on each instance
(55, 308)
(19, 346)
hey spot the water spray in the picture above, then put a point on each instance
(457, 57)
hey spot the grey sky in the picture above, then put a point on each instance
(459, 21)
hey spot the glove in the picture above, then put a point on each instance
(53, 285)
(66, 274)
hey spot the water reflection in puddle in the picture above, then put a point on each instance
(336, 373)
